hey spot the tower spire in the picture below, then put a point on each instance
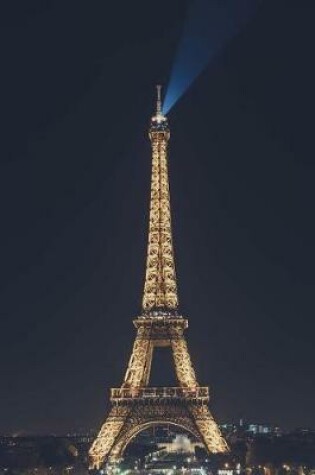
(160, 288)
(159, 101)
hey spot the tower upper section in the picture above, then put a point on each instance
(160, 289)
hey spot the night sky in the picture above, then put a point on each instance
(77, 92)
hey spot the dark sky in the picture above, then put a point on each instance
(77, 85)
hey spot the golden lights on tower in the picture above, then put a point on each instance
(160, 288)
(136, 405)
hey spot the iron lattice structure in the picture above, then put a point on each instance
(135, 405)
(160, 288)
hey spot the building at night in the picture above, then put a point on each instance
(136, 405)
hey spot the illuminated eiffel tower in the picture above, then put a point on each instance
(136, 405)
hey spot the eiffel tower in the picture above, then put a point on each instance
(136, 405)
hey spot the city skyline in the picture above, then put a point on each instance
(75, 191)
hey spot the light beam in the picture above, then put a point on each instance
(210, 24)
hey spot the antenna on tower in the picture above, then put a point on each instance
(159, 101)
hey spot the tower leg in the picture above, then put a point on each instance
(140, 361)
(184, 369)
(148, 364)
(107, 436)
(209, 431)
